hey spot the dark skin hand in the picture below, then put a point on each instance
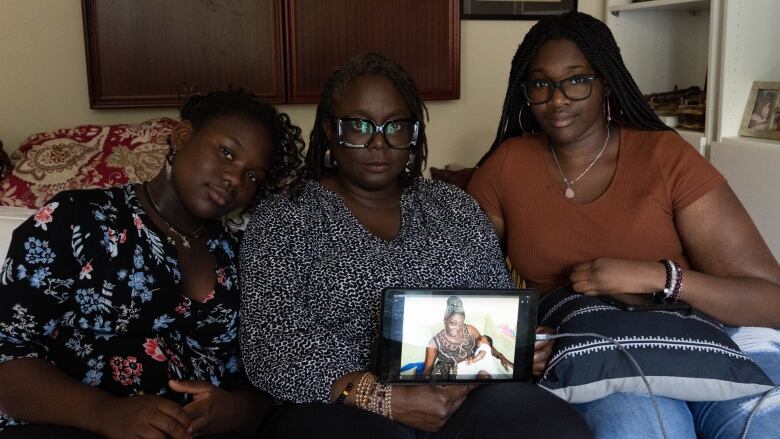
(428, 408)
(34, 390)
(734, 278)
(214, 410)
(542, 351)
(144, 416)
(422, 407)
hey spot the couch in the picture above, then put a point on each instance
(82, 157)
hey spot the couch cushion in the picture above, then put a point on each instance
(684, 355)
(84, 157)
(10, 218)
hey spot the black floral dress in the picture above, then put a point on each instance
(91, 285)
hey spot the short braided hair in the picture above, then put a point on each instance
(287, 157)
(597, 43)
(368, 64)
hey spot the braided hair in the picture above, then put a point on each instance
(368, 64)
(454, 306)
(286, 161)
(597, 43)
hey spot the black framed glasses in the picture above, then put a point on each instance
(576, 88)
(357, 132)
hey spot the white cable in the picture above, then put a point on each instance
(542, 337)
(545, 337)
(755, 410)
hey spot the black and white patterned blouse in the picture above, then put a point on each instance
(312, 276)
(91, 285)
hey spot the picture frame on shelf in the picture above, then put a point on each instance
(514, 10)
(762, 112)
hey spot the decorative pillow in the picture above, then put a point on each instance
(84, 157)
(684, 355)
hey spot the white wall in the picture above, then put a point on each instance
(43, 79)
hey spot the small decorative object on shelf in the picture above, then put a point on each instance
(683, 108)
(762, 113)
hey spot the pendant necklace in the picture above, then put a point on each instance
(569, 192)
(184, 237)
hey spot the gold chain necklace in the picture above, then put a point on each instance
(182, 236)
(569, 192)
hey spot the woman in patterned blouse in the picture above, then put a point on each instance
(454, 347)
(119, 307)
(313, 268)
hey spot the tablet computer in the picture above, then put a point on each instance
(438, 336)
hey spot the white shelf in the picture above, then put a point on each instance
(662, 5)
(749, 54)
(695, 138)
(751, 141)
(665, 48)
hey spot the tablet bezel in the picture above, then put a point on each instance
(387, 362)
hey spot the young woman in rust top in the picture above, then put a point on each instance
(585, 185)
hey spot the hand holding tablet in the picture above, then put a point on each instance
(456, 335)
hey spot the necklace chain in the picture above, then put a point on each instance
(569, 182)
(184, 237)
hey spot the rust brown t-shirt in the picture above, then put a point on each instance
(658, 174)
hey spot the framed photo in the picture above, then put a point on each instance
(762, 113)
(513, 10)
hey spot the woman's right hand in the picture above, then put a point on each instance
(427, 407)
(144, 416)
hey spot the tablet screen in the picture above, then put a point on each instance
(456, 335)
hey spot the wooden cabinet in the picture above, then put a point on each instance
(423, 36)
(148, 53)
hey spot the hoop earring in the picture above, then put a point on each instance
(328, 161)
(607, 111)
(520, 118)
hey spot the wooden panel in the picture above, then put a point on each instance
(423, 36)
(146, 53)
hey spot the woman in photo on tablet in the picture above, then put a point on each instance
(460, 350)
(314, 266)
(586, 186)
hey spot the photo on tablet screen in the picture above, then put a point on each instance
(457, 335)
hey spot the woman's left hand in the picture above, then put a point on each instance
(542, 350)
(212, 409)
(614, 276)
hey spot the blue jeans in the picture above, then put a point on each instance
(629, 415)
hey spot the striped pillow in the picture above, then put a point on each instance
(684, 355)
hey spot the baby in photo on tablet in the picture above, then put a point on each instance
(482, 364)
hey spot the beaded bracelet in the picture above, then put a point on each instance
(344, 393)
(673, 285)
(677, 283)
(365, 386)
(374, 397)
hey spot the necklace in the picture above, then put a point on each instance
(182, 236)
(569, 192)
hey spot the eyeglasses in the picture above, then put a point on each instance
(576, 88)
(355, 132)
